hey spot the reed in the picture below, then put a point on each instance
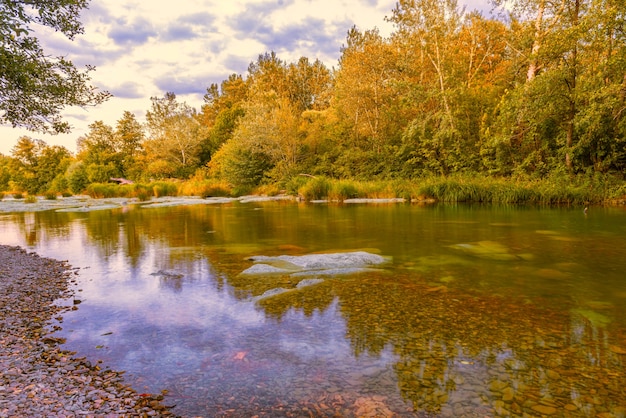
(315, 189)
(341, 190)
(103, 190)
(268, 190)
(205, 188)
(164, 188)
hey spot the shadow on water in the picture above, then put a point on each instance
(505, 311)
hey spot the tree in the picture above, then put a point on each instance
(365, 90)
(175, 137)
(35, 165)
(97, 152)
(309, 84)
(128, 142)
(220, 114)
(34, 87)
(5, 174)
(443, 53)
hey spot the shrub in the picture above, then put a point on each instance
(342, 190)
(314, 189)
(163, 188)
(143, 195)
(294, 184)
(103, 190)
(18, 195)
(30, 199)
(205, 188)
(50, 195)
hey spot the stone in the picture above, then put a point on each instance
(315, 264)
(544, 409)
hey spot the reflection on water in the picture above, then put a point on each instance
(484, 311)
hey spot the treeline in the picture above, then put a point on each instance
(539, 92)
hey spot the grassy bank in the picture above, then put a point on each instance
(553, 190)
(460, 188)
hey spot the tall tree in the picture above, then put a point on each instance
(128, 141)
(175, 135)
(34, 164)
(445, 54)
(365, 89)
(222, 109)
(35, 87)
(98, 154)
(309, 85)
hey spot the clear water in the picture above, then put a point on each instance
(484, 311)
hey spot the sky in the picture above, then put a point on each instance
(143, 49)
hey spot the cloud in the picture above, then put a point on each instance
(136, 33)
(182, 85)
(127, 90)
(189, 27)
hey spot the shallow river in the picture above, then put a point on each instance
(479, 310)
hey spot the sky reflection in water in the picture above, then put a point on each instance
(493, 311)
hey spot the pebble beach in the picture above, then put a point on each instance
(38, 378)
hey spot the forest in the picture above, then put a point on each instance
(534, 93)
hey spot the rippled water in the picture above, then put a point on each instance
(483, 310)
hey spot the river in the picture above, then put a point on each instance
(480, 310)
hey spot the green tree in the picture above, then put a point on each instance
(35, 164)
(444, 54)
(365, 94)
(128, 143)
(5, 173)
(97, 152)
(309, 85)
(271, 128)
(175, 135)
(35, 87)
(220, 114)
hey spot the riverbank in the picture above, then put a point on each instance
(39, 378)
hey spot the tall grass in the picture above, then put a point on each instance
(315, 188)
(556, 189)
(164, 188)
(496, 190)
(205, 188)
(466, 188)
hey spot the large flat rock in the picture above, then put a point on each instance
(321, 264)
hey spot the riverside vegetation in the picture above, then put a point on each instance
(452, 189)
(524, 105)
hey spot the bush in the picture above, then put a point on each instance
(162, 188)
(30, 199)
(18, 195)
(103, 190)
(342, 190)
(205, 188)
(315, 189)
(50, 196)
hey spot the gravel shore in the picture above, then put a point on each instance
(38, 378)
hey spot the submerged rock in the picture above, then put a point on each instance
(311, 264)
(487, 249)
(309, 269)
(168, 274)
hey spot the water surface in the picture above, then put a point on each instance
(483, 310)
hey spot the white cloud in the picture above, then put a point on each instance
(143, 49)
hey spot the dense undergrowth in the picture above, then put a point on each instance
(459, 188)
